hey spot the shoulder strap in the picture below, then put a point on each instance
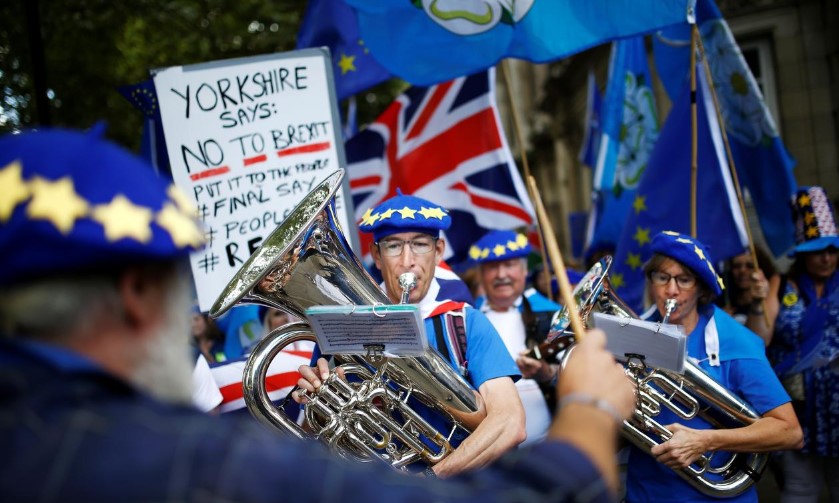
(442, 347)
(456, 333)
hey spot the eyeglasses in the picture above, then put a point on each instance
(742, 265)
(393, 247)
(683, 281)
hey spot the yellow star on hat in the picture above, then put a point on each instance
(499, 250)
(57, 202)
(181, 228)
(15, 190)
(386, 214)
(123, 219)
(182, 201)
(407, 212)
(369, 218)
(437, 213)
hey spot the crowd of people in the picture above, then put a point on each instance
(98, 404)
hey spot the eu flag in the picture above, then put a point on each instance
(662, 201)
(332, 23)
(764, 167)
(152, 144)
(433, 41)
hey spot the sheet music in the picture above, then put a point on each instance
(661, 345)
(349, 329)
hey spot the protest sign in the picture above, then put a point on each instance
(247, 139)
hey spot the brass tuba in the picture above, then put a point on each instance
(305, 262)
(688, 395)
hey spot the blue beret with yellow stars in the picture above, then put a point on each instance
(690, 253)
(499, 245)
(403, 213)
(72, 201)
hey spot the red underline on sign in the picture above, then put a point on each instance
(210, 172)
(255, 159)
(314, 147)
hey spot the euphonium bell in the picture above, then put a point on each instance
(307, 262)
(690, 394)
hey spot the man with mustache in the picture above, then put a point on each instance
(522, 318)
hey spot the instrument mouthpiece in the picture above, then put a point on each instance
(407, 281)
(669, 307)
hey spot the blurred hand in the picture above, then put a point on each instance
(593, 370)
(531, 368)
(759, 288)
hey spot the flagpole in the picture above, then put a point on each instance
(693, 130)
(520, 141)
(550, 248)
(731, 166)
(556, 257)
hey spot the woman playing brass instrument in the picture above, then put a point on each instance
(680, 269)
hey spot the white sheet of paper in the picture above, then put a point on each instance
(661, 345)
(349, 329)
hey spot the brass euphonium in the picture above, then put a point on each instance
(307, 262)
(688, 395)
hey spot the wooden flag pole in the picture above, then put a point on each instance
(731, 166)
(519, 140)
(550, 249)
(694, 32)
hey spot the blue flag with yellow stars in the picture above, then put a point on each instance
(662, 201)
(332, 23)
(764, 166)
(152, 144)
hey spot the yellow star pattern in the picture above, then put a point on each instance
(386, 214)
(407, 212)
(181, 228)
(640, 203)
(699, 252)
(499, 250)
(369, 218)
(512, 245)
(812, 232)
(182, 201)
(804, 200)
(485, 253)
(809, 218)
(347, 64)
(617, 280)
(15, 190)
(642, 235)
(633, 260)
(123, 219)
(56, 201)
(429, 213)
(474, 253)
(521, 240)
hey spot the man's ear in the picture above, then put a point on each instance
(142, 297)
(374, 252)
(439, 249)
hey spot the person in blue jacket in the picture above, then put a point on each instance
(95, 362)
(681, 269)
(522, 317)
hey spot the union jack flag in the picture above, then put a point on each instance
(443, 143)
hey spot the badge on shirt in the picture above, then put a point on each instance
(790, 299)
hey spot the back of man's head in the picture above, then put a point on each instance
(88, 232)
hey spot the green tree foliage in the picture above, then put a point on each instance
(92, 47)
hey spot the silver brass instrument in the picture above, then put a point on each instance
(306, 262)
(689, 395)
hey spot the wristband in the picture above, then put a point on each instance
(597, 403)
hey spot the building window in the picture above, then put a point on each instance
(758, 55)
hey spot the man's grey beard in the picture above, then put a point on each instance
(165, 364)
